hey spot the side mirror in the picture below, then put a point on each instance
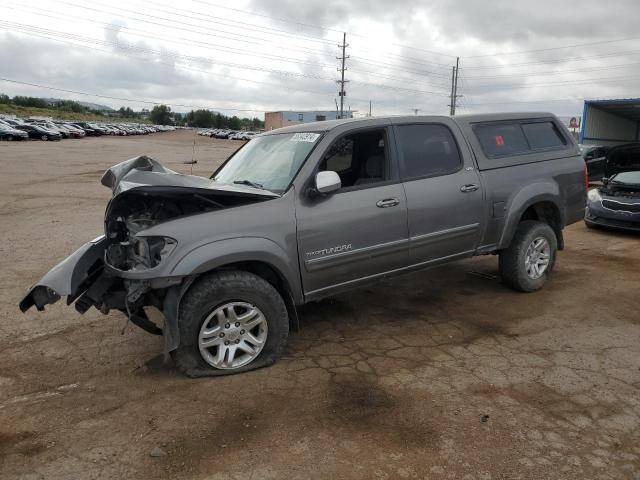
(327, 182)
(605, 180)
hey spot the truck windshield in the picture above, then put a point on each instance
(268, 162)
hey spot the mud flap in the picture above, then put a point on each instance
(171, 310)
(70, 277)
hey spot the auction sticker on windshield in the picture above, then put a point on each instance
(305, 137)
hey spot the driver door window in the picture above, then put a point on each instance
(359, 159)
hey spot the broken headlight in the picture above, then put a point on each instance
(150, 251)
(594, 195)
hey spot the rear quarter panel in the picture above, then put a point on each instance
(511, 190)
(514, 183)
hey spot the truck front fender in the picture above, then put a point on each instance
(210, 256)
(216, 254)
(527, 196)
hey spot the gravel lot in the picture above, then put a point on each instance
(441, 374)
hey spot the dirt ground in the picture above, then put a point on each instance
(443, 374)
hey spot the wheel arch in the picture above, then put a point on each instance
(259, 256)
(539, 202)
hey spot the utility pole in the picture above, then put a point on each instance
(369, 107)
(454, 87)
(453, 79)
(342, 81)
(415, 111)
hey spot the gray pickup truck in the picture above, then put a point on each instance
(311, 210)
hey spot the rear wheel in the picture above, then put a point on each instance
(230, 322)
(527, 263)
(9, 138)
(44, 138)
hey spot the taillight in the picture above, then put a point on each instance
(586, 177)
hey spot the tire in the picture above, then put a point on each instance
(44, 138)
(215, 293)
(514, 269)
(9, 138)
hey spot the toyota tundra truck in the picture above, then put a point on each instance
(308, 211)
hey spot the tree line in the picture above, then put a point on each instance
(159, 114)
(62, 105)
(202, 118)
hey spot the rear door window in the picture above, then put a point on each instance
(427, 150)
(542, 135)
(502, 139)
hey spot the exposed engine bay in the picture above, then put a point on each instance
(621, 190)
(135, 211)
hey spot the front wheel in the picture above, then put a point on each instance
(526, 264)
(44, 138)
(230, 322)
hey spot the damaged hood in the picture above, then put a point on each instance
(144, 171)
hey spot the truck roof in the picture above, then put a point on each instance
(327, 125)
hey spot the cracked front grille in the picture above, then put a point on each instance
(622, 207)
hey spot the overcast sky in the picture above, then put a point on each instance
(258, 56)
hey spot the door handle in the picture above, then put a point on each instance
(387, 202)
(471, 187)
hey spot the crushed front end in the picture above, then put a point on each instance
(125, 269)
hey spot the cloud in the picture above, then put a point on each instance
(392, 60)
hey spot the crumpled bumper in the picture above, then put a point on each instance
(70, 278)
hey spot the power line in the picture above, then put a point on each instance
(552, 72)
(562, 60)
(247, 12)
(571, 82)
(410, 59)
(557, 100)
(553, 48)
(47, 34)
(284, 20)
(119, 11)
(327, 42)
(190, 30)
(146, 59)
(146, 33)
(22, 27)
(137, 100)
(282, 32)
(243, 25)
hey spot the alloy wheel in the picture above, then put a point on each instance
(537, 258)
(232, 335)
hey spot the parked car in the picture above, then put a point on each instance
(223, 134)
(616, 204)
(73, 132)
(248, 135)
(39, 132)
(12, 121)
(50, 127)
(9, 132)
(88, 129)
(311, 210)
(595, 157)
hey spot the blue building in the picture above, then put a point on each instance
(610, 122)
(280, 119)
